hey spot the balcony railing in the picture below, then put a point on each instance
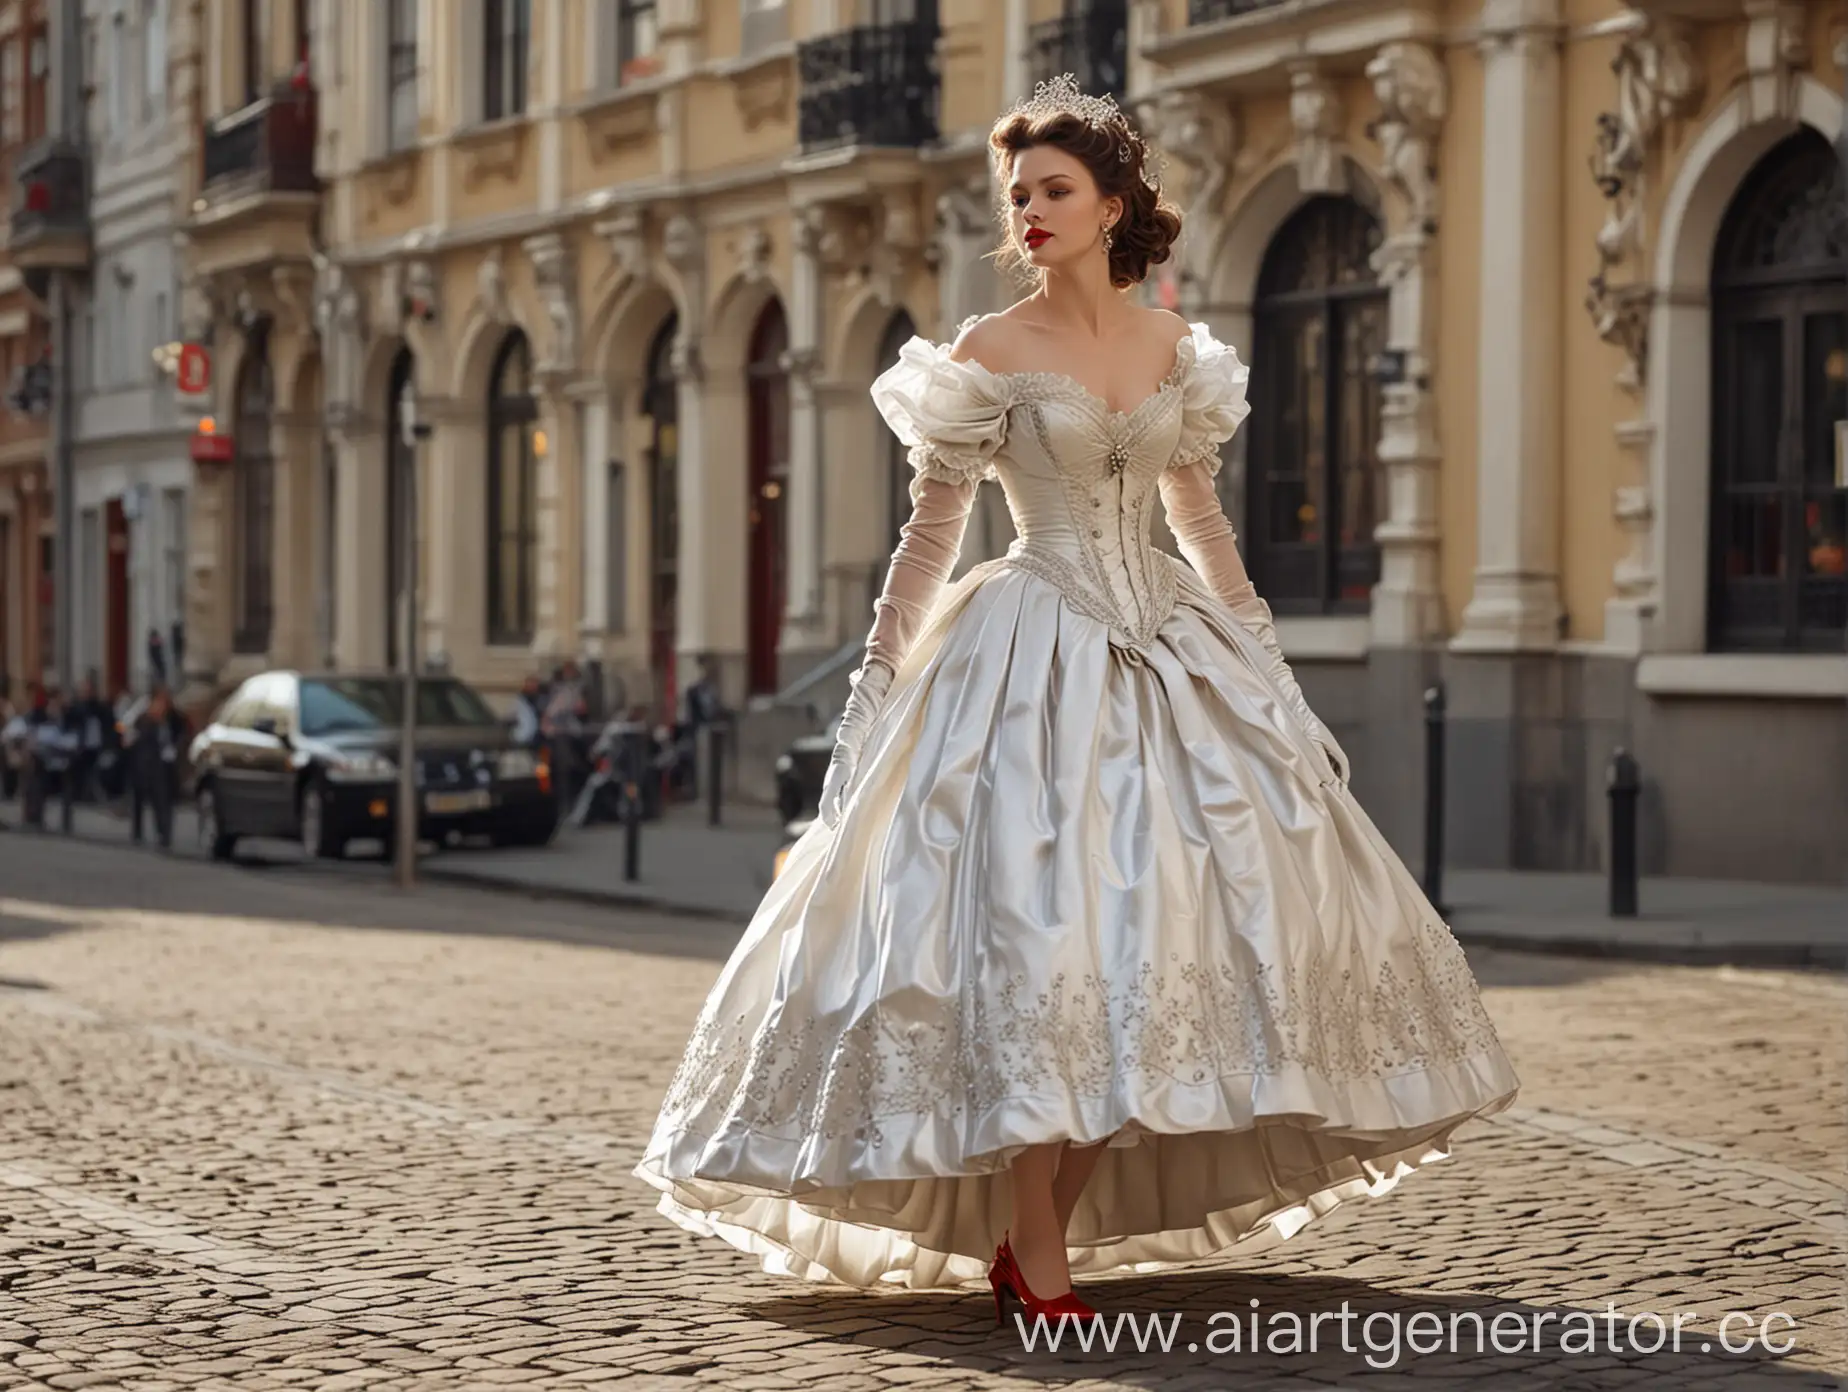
(1091, 44)
(266, 147)
(871, 85)
(50, 223)
(1207, 11)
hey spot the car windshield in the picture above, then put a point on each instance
(335, 704)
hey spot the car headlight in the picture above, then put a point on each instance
(361, 767)
(516, 763)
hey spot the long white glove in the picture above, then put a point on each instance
(1207, 541)
(928, 545)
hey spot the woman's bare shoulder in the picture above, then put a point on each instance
(998, 342)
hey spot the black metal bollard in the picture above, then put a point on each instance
(1434, 796)
(632, 832)
(1623, 783)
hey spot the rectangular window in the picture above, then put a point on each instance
(504, 54)
(256, 48)
(766, 24)
(12, 94)
(401, 75)
(637, 39)
(154, 55)
(38, 80)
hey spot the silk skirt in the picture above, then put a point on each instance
(1083, 891)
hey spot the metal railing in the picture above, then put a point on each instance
(50, 188)
(268, 145)
(1091, 44)
(871, 85)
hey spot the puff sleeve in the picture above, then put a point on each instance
(952, 417)
(1213, 404)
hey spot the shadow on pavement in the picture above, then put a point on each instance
(1209, 1320)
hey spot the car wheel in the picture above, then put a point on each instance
(214, 840)
(318, 839)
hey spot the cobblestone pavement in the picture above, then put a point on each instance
(281, 1129)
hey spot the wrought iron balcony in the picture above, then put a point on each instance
(871, 85)
(50, 225)
(1207, 11)
(266, 147)
(1092, 44)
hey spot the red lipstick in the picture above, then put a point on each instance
(1037, 237)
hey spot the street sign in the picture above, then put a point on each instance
(208, 448)
(193, 373)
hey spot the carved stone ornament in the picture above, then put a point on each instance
(1414, 95)
(497, 153)
(550, 255)
(753, 251)
(1658, 79)
(626, 120)
(1202, 134)
(816, 231)
(682, 243)
(1776, 52)
(1315, 119)
(420, 295)
(627, 236)
(491, 287)
(764, 91)
(963, 211)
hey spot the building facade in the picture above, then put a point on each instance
(639, 263)
(130, 434)
(26, 529)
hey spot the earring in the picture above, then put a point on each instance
(1109, 238)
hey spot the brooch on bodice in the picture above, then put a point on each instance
(1119, 458)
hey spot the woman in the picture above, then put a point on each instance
(1091, 952)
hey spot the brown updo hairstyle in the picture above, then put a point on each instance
(1117, 156)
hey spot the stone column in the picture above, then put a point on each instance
(802, 609)
(361, 605)
(451, 537)
(559, 463)
(1413, 92)
(596, 406)
(1516, 605)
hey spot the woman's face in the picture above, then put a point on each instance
(1057, 217)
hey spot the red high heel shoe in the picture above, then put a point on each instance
(1005, 1276)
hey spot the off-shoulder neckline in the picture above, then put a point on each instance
(1183, 359)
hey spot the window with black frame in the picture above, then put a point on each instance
(506, 39)
(253, 487)
(401, 74)
(1314, 486)
(1089, 40)
(513, 491)
(637, 39)
(1778, 566)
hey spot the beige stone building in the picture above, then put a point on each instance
(1544, 298)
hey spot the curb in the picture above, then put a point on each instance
(1812, 956)
(594, 898)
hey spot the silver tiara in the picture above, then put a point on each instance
(1062, 96)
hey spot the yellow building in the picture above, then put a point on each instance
(1500, 267)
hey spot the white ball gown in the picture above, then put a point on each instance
(1098, 876)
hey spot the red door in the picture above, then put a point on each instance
(115, 597)
(768, 501)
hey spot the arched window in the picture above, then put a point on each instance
(1314, 484)
(661, 404)
(769, 484)
(399, 461)
(253, 505)
(897, 458)
(1778, 570)
(513, 495)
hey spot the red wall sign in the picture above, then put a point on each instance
(193, 375)
(213, 449)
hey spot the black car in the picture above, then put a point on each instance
(314, 759)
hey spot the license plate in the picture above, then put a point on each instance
(442, 804)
